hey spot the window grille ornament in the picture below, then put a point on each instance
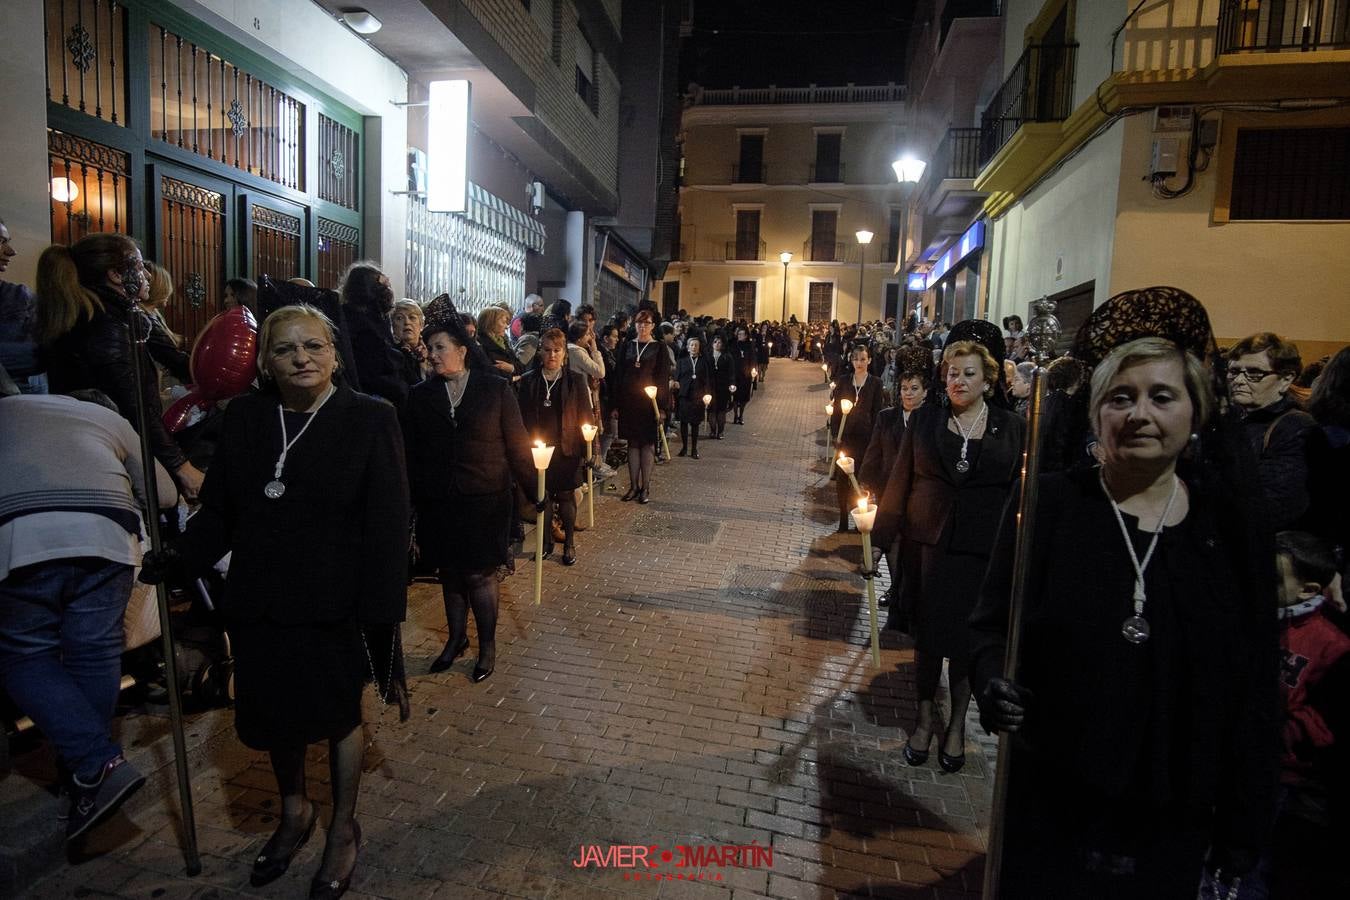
(238, 120)
(81, 48)
(338, 164)
(194, 289)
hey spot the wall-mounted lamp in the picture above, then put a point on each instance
(64, 190)
(359, 20)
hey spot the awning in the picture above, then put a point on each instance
(493, 212)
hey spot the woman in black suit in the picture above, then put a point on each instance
(554, 403)
(465, 440)
(643, 362)
(307, 491)
(747, 358)
(723, 366)
(863, 390)
(944, 497)
(695, 376)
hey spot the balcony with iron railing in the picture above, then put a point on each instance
(743, 249)
(957, 157)
(1039, 88)
(847, 93)
(1273, 26)
(749, 174)
(826, 251)
(825, 173)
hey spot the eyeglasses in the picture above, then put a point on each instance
(311, 348)
(1253, 376)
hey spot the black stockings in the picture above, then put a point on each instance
(685, 429)
(641, 461)
(843, 491)
(928, 672)
(564, 503)
(477, 590)
(344, 767)
(720, 422)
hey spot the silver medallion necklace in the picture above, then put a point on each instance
(276, 487)
(549, 386)
(642, 348)
(963, 464)
(1135, 627)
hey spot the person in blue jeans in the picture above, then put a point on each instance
(70, 537)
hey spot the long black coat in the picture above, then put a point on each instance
(334, 547)
(571, 397)
(858, 428)
(724, 376)
(695, 375)
(637, 421)
(747, 358)
(1174, 740)
(887, 432)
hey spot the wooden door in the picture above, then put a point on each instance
(743, 301)
(193, 239)
(819, 301)
(275, 237)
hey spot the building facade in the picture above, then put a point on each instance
(799, 171)
(1202, 145)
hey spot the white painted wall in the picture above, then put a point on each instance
(23, 110)
(1071, 218)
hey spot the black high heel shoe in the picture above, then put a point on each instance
(569, 557)
(632, 492)
(644, 497)
(448, 656)
(915, 757)
(267, 869)
(331, 890)
(480, 671)
(951, 764)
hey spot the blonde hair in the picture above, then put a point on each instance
(67, 277)
(1144, 350)
(413, 305)
(282, 317)
(161, 285)
(974, 348)
(489, 317)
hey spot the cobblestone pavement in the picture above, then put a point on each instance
(700, 678)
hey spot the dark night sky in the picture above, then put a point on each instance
(792, 43)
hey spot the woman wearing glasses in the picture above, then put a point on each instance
(303, 495)
(465, 440)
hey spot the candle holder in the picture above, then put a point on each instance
(845, 407)
(829, 437)
(589, 431)
(650, 391)
(847, 464)
(865, 516)
(543, 455)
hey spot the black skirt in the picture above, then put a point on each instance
(296, 684)
(467, 533)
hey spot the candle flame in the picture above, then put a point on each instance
(539, 444)
(862, 504)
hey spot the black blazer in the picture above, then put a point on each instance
(921, 501)
(694, 386)
(334, 547)
(474, 452)
(724, 376)
(573, 391)
(887, 432)
(858, 428)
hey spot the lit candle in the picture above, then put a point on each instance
(829, 414)
(707, 401)
(754, 373)
(543, 455)
(846, 465)
(650, 391)
(845, 407)
(589, 431)
(865, 516)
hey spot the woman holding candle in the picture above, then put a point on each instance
(950, 481)
(465, 441)
(695, 377)
(554, 403)
(723, 367)
(747, 360)
(863, 393)
(643, 362)
(307, 492)
(1143, 712)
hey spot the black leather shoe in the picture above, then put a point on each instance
(695, 455)
(951, 764)
(480, 671)
(644, 497)
(915, 757)
(267, 869)
(331, 890)
(548, 551)
(569, 559)
(448, 656)
(632, 492)
(684, 451)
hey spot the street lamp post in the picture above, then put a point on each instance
(908, 171)
(785, 257)
(864, 238)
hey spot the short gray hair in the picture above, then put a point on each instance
(1145, 350)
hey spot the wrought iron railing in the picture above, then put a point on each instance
(1255, 26)
(826, 173)
(339, 157)
(1038, 89)
(848, 93)
(749, 174)
(88, 186)
(824, 251)
(339, 245)
(743, 250)
(87, 56)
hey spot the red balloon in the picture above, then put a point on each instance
(187, 410)
(225, 357)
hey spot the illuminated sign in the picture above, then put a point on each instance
(968, 243)
(918, 281)
(448, 146)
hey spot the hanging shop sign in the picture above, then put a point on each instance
(968, 243)
(620, 263)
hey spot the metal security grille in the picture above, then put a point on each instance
(339, 157)
(743, 301)
(87, 57)
(88, 186)
(192, 248)
(276, 244)
(338, 247)
(448, 253)
(206, 105)
(819, 301)
(1291, 173)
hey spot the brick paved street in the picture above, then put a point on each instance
(700, 678)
